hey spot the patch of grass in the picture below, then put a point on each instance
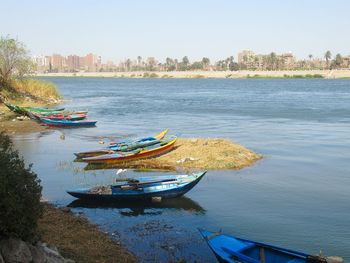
(153, 75)
(37, 89)
(78, 239)
(201, 153)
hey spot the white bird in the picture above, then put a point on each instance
(121, 171)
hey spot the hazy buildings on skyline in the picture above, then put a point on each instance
(72, 63)
(246, 60)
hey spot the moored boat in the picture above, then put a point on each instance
(163, 147)
(59, 116)
(125, 146)
(141, 189)
(67, 123)
(159, 136)
(233, 249)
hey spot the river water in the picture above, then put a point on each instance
(298, 196)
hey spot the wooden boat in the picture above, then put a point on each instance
(24, 110)
(165, 146)
(63, 113)
(159, 136)
(232, 249)
(125, 146)
(164, 187)
(41, 109)
(60, 116)
(67, 123)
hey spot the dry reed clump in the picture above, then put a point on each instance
(38, 89)
(201, 153)
(79, 240)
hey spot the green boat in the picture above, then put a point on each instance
(42, 109)
(25, 110)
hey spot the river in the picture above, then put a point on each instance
(297, 196)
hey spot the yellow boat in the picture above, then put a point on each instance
(165, 145)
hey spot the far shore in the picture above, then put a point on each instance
(326, 74)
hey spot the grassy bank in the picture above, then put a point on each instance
(78, 239)
(285, 76)
(35, 91)
(196, 153)
(27, 92)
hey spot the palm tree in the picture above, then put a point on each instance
(205, 62)
(310, 62)
(185, 62)
(139, 59)
(328, 56)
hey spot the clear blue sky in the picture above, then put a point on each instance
(216, 29)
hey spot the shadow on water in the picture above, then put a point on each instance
(140, 208)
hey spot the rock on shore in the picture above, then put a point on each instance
(13, 250)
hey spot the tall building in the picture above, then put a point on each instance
(245, 56)
(58, 63)
(92, 62)
(73, 63)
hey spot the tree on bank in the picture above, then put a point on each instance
(328, 56)
(338, 61)
(20, 193)
(15, 61)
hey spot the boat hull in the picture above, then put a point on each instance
(118, 158)
(231, 249)
(66, 123)
(137, 196)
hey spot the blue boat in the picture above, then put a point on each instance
(67, 123)
(144, 188)
(232, 249)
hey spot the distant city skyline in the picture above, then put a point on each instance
(215, 29)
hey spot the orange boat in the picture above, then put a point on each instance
(165, 145)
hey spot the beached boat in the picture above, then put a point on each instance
(67, 123)
(141, 189)
(72, 117)
(232, 249)
(63, 113)
(125, 146)
(41, 109)
(159, 136)
(165, 146)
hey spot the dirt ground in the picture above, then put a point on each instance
(11, 125)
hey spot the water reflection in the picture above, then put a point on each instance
(132, 208)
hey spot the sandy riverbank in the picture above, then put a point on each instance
(328, 74)
(12, 125)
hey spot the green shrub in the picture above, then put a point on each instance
(298, 76)
(20, 193)
(153, 75)
(146, 75)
